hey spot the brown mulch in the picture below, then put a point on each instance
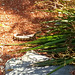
(19, 16)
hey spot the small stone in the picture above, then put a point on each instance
(1, 60)
(3, 4)
(1, 67)
(2, 8)
(32, 12)
(2, 70)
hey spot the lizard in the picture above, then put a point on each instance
(25, 37)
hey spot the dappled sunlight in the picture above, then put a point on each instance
(25, 17)
(19, 16)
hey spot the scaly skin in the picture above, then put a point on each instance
(30, 37)
(26, 37)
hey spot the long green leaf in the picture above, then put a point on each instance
(50, 62)
(46, 44)
(57, 50)
(66, 62)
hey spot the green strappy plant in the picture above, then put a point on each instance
(61, 43)
(64, 46)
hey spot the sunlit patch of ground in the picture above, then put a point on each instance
(18, 16)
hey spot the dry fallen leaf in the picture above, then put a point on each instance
(9, 70)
